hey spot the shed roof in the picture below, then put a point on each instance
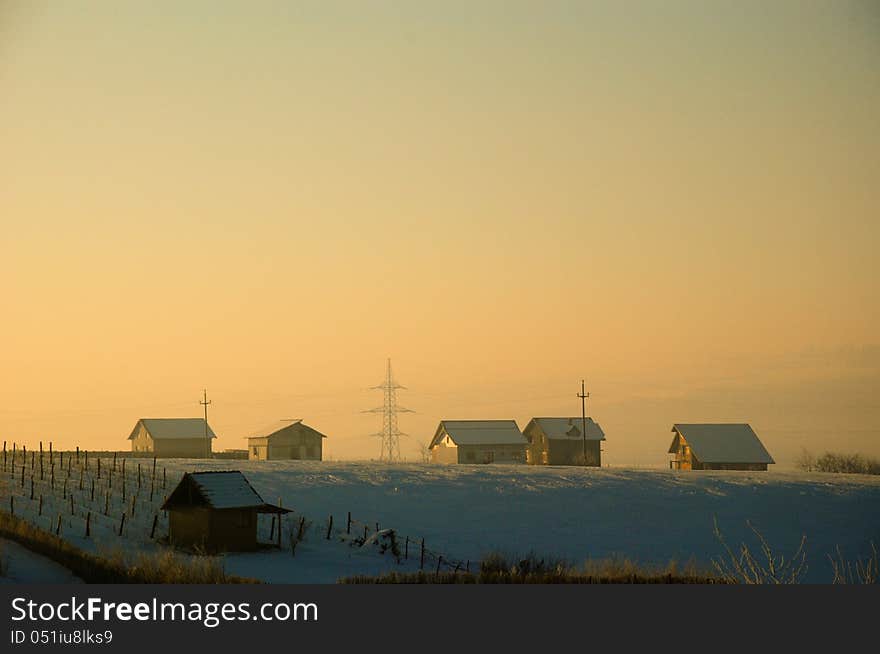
(173, 428)
(480, 432)
(569, 428)
(220, 489)
(282, 425)
(722, 443)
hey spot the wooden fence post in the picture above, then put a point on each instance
(12, 504)
(58, 526)
(439, 561)
(40, 509)
(88, 524)
(422, 557)
(348, 524)
(121, 523)
(153, 528)
(272, 528)
(406, 549)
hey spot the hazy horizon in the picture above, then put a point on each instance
(675, 201)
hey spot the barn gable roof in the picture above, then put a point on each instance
(294, 426)
(173, 428)
(722, 443)
(568, 428)
(480, 432)
(221, 489)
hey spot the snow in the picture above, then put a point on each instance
(21, 566)
(463, 512)
(652, 516)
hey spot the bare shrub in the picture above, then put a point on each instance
(859, 571)
(847, 463)
(767, 568)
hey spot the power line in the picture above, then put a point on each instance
(390, 434)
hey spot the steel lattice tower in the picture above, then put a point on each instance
(390, 434)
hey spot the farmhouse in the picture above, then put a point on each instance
(216, 511)
(172, 437)
(478, 441)
(286, 440)
(717, 447)
(560, 441)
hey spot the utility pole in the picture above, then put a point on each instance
(584, 395)
(205, 402)
(390, 434)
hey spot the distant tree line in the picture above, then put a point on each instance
(838, 462)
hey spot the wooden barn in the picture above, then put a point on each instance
(172, 437)
(717, 447)
(560, 441)
(478, 441)
(216, 511)
(286, 440)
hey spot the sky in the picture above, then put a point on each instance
(676, 201)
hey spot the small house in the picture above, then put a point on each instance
(561, 441)
(216, 511)
(717, 447)
(286, 440)
(478, 441)
(172, 437)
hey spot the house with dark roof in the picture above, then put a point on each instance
(286, 439)
(729, 446)
(562, 441)
(217, 511)
(172, 437)
(478, 441)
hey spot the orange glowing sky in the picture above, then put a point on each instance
(677, 201)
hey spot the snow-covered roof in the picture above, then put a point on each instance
(226, 490)
(221, 489)
(173, 428)
(281, 425)
(722, 443)
(569, 428)
(480, 432)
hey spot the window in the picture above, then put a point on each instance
(256, 451)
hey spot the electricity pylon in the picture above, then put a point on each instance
(390, 434)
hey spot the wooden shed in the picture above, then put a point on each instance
(733, 446)
(286, 439)
(561, 442)
(216, 511)
(478, 441)
(172, 437)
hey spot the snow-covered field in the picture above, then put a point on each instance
(463, 512)
(652, 516)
